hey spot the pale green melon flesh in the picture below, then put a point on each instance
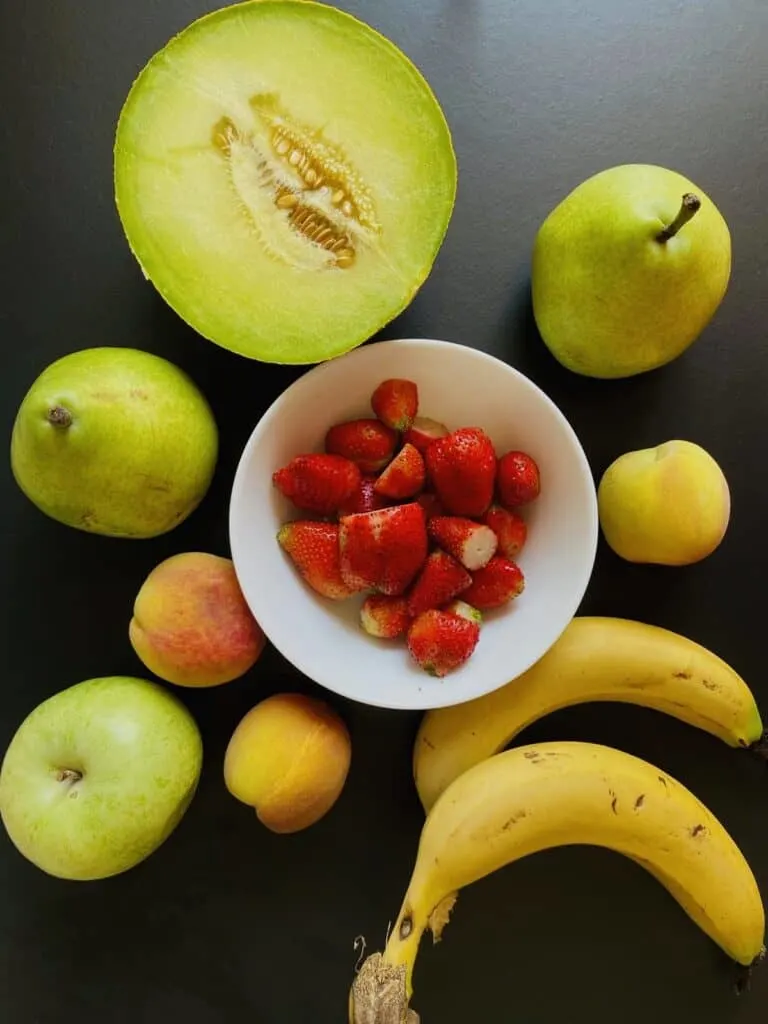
(204, 224)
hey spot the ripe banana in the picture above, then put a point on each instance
(555, 794)
(595, 659)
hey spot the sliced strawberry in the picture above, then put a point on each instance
(509, 527)
(518, 479)
(464, 611)
(363, 499)
(396, 403)
(314, 550)
(499, 582)
(440, 641)
(431, 504)
(472, 544)
(462, 468)
(317, 483)
(404, 476)
(384, 549)
(441, 579)
(423, 431)
(368, 443)
(385, 617)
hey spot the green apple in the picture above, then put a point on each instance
(114, 441)
(98, 776)
(628, 270)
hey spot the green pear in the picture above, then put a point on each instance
(98, 776)
(628, 270)
(114, 441)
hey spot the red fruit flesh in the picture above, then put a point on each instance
(396, 402)
(472, 544)
(383, 550)
(423, 432)
(517, 479)
(314, 550)
(441, 579)
(384, 617)
(509, 527)
(367, 442)
(499, 582)
(462, 469)
(317, 483)
(440, 641)
(404, 476)
(363, 499)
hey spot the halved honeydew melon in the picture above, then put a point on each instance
(285, 178)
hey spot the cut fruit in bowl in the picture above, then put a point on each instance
(285, 177)
(364, 657)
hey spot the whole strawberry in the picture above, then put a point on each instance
(404, 476)
(441, 579)
(440, 641)
(509, 527)
(368, 443)
(317, 483)
(518, 479)
(462, 469)
(363, 499)
(384, 617)
(499, 582)
(314, 549)
(396, 402)
(383, 550)
(472, 544)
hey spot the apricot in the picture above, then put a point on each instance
(668, 505)
(191, 625)
(288, 758)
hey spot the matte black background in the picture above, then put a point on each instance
(227, 922)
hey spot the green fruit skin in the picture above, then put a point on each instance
(140, 754)
(139, 455)
(609, 299)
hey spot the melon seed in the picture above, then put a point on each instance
(316, 160)
(223, 134)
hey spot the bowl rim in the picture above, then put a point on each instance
(318, 370)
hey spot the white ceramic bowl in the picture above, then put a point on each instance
(460, 387)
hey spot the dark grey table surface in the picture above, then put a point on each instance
(226, 922)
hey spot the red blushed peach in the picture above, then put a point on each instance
(288, 758)
(191, 625)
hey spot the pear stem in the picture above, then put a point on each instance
(58, 416)
(691, 203)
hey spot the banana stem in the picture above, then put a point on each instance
(403, 945)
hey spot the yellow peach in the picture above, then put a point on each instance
(191, 625)
(288, 758)
(668, 505)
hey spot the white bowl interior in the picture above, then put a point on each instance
(460, 387)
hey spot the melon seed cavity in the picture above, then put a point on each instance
(298, 188)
